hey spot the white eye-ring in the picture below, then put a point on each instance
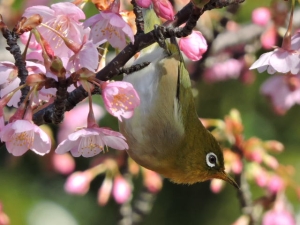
(211, 159)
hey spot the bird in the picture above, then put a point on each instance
(165, 133)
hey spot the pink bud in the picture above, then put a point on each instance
(104, 191)
(216, 185)
(274, 146)
(237, 166)
(143, 3)
(63, 164)
(271, 161)
(255, 155)
(275, 184)
(261, 178)
(242, 220)
(261, 16)
(164, 9)
(152, 181)
(78, 183)
(4, 219)
(193, 46)
(121, 190)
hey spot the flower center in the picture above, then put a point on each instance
(119, 101)
(23, 139)
(110, 31)
(90, 145)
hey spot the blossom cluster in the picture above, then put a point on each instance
(254, 159)
(282, 60)
(61, 53)
(63, 50)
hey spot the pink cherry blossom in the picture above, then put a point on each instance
(279, 60)
(144, 3)
(121, 189)
(219, 71)
(278, 89)
(279, 215)
(9, 79)
(65, 18)
(22, 135)
(120, 99)
(193, 46)
(72, 121)
(78, 183)
(295, 41)
(164, 9)
(261, 16)
(91, 141)
(109, 26)
(86, 56)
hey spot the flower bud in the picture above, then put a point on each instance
(275, 184)
(193, 46)
(64, 164)
(105, 191)
(27, 24)
(216, 185)
(78, 183)
(152, 181)
(143, 3)
(164, 9)
(57, 67)
(121, 190)
(261, 16)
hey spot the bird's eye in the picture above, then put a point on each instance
(211, 159)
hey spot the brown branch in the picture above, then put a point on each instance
(139, 19)
(11, 39)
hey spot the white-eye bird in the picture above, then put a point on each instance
(165, 134)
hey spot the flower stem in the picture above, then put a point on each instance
(286, 43)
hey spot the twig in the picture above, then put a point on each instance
(139, 19)
(133, 68)
(214, 4)
(11, 39)
(244, 193)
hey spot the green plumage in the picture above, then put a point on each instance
(165, 133)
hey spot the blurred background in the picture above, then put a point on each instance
(32, 191)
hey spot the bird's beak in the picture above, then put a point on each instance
(222, 175)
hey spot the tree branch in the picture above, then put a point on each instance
(186, 15)
(11, 39)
